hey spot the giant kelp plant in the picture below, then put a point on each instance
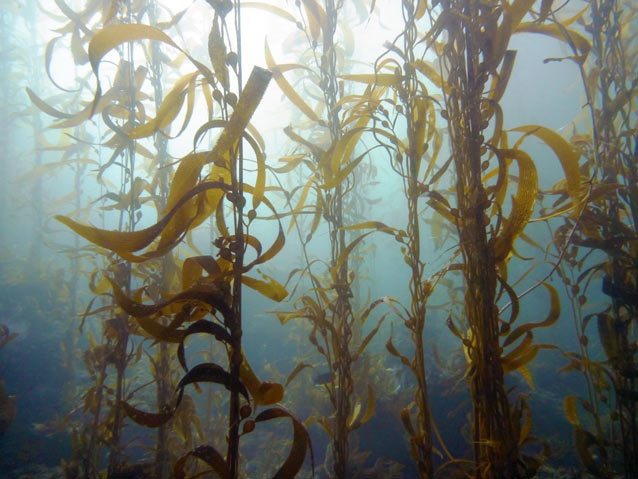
(207, 284)
(603, 256)
(427, 104)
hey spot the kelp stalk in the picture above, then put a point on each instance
(342, 308)
(495, 447)
(162, 371)
(422, 445)
(615, 155)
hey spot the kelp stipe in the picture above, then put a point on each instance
(471, 41)
(398, 97)
(331, 161)
(605, 424)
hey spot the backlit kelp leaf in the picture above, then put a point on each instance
(250, 98)
(248, 377)
(368, 338)
(377, 225)
(123, 242)
(357, 422)
(194, 266)
(514, 303)
(608, 336)
(286, 87)
(271, 288)
(290, 162)
(202, 326)
(48, 58)
(419, 126)
(298, 368)
(259, 187)
(111, 37)
(80, 57)
(552, 317)
(44, 106)
(344, 147)
(421, 8)
(269, 393)
(389, 345)
(212, 373)
(217, 54)
(499, 189)
(168, 110)
(285, 316)
(143, 418)
(316, 150)
(343, 256)
(513, 14)
(263, 393)
(302, 200)
(430, 72)
(569, 405)
(316, 16)
(209, 455)
(379, 79)
(160, 332)
(210, 296)
(519, 357)
(208, 97)
(441, 209)
(274, 248)
(572, 38)
(522, 204)
(356, 410)
(564, 151)
(527, 425)
(280, 12)
(434, 155)
(300, 444)
(406, 420)
(338, 177)
(527, 376)
(501, 80)
(197, 208)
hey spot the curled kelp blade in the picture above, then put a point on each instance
(207, 454)
(214, 373)
(300, 443)
(112, 36)
(522, 203)
(567, 155)
(147, 419)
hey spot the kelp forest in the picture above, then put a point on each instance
(319, 239)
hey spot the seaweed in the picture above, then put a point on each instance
(606, 442)
(469, 189)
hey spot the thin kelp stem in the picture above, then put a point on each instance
(608, 223)
(418, 293)
(236, 332)
(127, 222)
(162, 370)
(342, 309)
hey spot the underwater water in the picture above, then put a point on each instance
(318, 238)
